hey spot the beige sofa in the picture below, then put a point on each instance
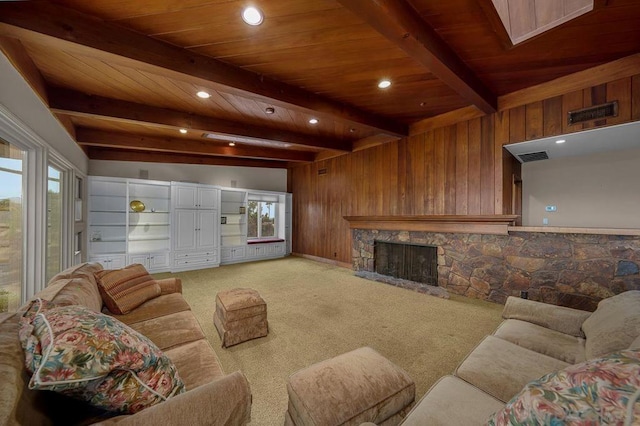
(533, 340)
(212, 397)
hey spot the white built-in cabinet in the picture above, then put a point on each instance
(194, 196)
(196, 241)
(183, 226)
(119, 235)
(233, 226)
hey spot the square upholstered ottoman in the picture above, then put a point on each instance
(350, 389)
(241, 315)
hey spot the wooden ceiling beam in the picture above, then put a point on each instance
(99, 153)
(74, 103)
(67, 24)
(109, 139)
(397, 21)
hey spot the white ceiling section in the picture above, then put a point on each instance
(623, 136)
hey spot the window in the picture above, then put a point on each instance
(261, 221)
(11, 226)
(54, 222)
(77, 199)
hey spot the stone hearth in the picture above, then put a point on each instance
(575, 270)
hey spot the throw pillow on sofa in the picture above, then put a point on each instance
(593, 392)
(125, 289)
(94, 357)
(614, 325)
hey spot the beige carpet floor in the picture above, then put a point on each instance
(317, 311)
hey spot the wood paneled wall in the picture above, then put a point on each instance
(458, 169)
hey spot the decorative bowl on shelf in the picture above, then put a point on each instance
(137, 206)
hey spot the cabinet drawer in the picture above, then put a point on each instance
(195, 254)
(195, 261)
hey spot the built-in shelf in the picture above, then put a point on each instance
(478, 224)
(116, 229)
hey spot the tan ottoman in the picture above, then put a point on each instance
(241, 315)
(352, 388)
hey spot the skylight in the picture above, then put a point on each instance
(527, 18)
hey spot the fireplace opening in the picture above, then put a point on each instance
(412, 262)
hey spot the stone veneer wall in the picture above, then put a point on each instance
(575, 270)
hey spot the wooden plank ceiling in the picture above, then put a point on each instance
(122, 75)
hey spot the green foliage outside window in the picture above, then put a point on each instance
(261, 219)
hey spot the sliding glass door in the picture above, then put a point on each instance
(54, 222)
(11, 225)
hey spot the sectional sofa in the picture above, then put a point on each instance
(211, 397)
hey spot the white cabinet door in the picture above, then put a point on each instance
(185, 235)
(207, 198)
(207, 230)
(232, 254)
(151, 261)
(186, 197)
(142, 259)
(158, 260)
(277, 249)
(195, 197)
(110, 261)
(256, 251)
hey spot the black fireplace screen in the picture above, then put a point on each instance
(407, 261)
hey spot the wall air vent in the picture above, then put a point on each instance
(597, 112)
(322, 171)
(533, 156)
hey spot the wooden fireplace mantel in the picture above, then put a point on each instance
(479, 224)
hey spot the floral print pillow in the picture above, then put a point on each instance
(595, 392)
(94, 357)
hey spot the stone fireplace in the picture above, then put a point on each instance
(569, 267)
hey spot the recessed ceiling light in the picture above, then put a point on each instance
(383, 84)
(232, 144)
(560, 141)
(202, 94)
(252, 16)
(313, 121)
(183, 131)
(269, 110)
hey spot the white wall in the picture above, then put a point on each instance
(239, 177)
(17, 97)
(599, 190)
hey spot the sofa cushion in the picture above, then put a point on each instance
(171, 330)
(125, 289)
(74, 286)
(81, 269)
(95, 358)
(197, 363)
(593, 392)
(614, 325)
(452, 401)
(558, 318)
(502, 368)
(542, 340)
(154, 308)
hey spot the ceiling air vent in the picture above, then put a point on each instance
(597, 112)
(533, 156)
